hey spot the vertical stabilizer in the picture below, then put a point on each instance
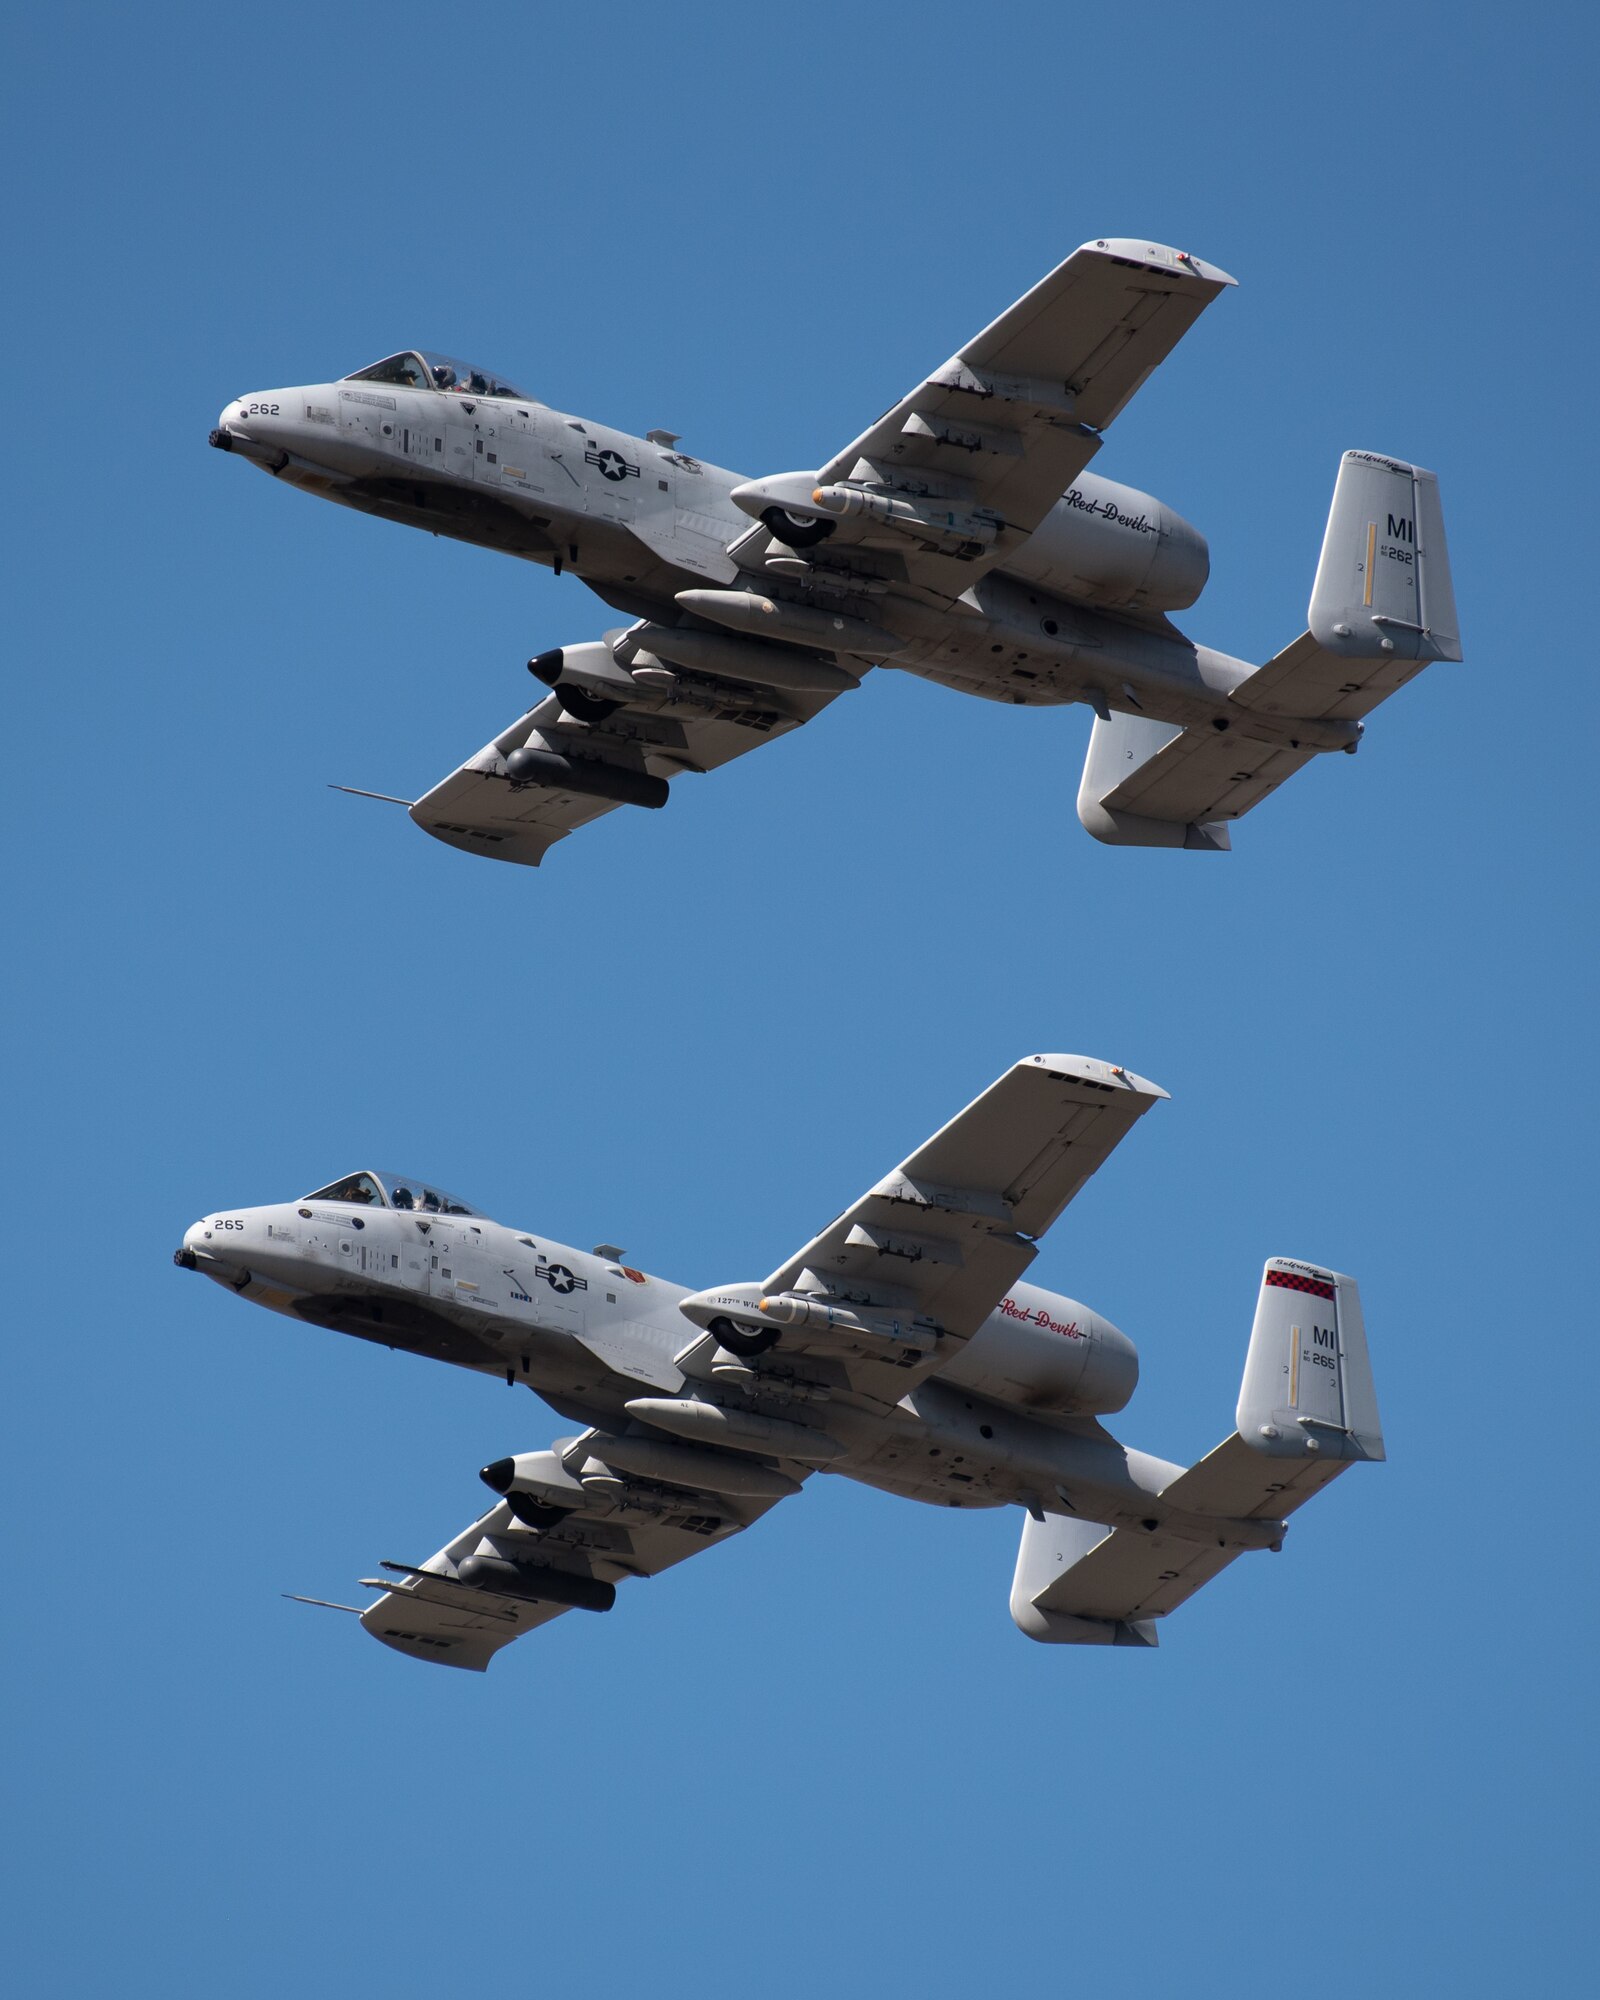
(1308, 1387)
(1383, 582)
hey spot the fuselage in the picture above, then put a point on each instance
(1078, 614)
(1011, 1417)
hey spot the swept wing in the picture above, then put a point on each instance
(616, 1527)
(913, 1268)
(985, 446)
(609, 754)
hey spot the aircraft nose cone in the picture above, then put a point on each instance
(194, 1240)
(252, 425)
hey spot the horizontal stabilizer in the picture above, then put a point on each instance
(1154, 784)
(1067, 1589)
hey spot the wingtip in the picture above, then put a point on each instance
(1158, 257)
(1091, 1070)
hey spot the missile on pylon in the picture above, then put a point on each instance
(955, 529)
(817, 1316)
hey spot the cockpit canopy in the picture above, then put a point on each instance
(403, 1191)
(421, 368)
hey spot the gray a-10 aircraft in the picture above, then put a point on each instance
(960, 537)
(900, 1347)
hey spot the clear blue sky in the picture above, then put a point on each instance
(821, 1760)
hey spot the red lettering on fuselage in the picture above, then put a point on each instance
(1069, 1329)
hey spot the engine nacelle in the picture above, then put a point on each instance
(1041, 1351)
(1107, 545)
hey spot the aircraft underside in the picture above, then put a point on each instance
(964, 538)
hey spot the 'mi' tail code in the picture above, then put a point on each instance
(1307, 1382)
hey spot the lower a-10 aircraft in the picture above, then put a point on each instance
(899, 1347)
(960, 537)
